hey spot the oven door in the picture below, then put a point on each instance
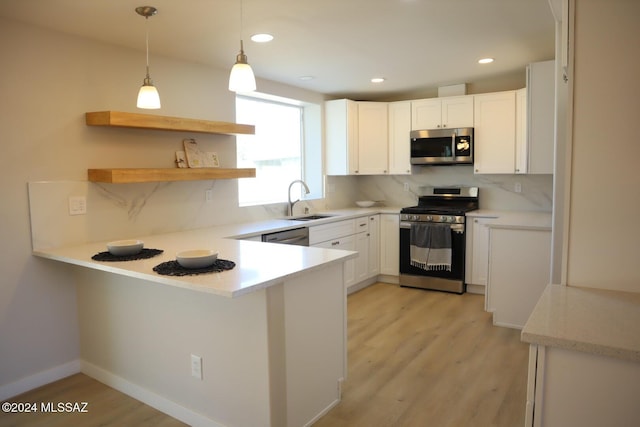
(449, 281)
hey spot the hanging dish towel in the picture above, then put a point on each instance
(430, 246)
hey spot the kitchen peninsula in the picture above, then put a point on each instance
(270, 333)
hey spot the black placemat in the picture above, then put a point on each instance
(172, 268)
(143, 254)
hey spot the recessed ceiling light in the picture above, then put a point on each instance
(306, 77)
(485, 61)
(377, 80)
(261, 38)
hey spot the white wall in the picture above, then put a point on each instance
(605, 181)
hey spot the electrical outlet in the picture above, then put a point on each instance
(196, 366)
(406, 186)
(77, 205)
(208, 195)
(518, 187)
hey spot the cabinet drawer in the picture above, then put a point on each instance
(362, 224)
(334, 230)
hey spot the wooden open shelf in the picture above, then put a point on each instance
(178, 124)
(123, 176)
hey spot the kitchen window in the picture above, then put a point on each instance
(285, 147)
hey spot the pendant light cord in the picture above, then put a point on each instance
(147, 42)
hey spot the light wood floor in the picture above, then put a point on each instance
(106, 407)
(416, 358)
(422, 358)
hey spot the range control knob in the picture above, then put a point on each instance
(415, 217)
(429, 218)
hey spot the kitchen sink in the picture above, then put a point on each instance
(310, 217)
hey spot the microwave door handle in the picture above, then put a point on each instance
(453, 145)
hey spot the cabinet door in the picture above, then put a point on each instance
(362, 246)
(399, 140)
(373, 263)
(345, 243)
(495, 132)
(457, 111)
(390, 244)
(426, 114)
(341, 116)
(521, 132)
(372, 138)
(541, 116)
(480, 249)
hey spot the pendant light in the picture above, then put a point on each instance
(148, 97)
(241, 78)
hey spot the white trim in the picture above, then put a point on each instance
(148, 397)
(322, 413)
(37, 380)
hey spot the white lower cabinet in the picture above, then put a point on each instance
(477, 255)
(573, 388)
(373, 263)
(390, 244)
(359, 234)
(519, 271)
(347, 243)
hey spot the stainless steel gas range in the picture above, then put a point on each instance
(432, 239)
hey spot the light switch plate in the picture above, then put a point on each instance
(77, 205)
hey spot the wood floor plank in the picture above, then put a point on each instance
(422, 358)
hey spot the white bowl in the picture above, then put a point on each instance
(125, 247)
(365, 203)
(196, 258)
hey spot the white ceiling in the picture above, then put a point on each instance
(414, 44)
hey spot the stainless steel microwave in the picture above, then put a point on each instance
(442, 146)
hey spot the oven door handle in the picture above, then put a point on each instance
(458, 228)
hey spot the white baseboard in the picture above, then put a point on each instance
(37, 380)
(329, 407)
(475, 289)
(148, 397)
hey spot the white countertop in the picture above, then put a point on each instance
(258, 264)
(515, 219)
(595, 321)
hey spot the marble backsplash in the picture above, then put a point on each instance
(496, 191)
(116, 211)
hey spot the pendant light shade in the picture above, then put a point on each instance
(148, 97)
(241, 78)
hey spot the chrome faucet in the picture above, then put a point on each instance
(306, 191)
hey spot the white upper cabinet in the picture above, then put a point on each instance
(540, 117)
(522, 147)
(495, 132)
(435, 113)
(399, 142)
(372, 138)
(356, 137)
(341, 133)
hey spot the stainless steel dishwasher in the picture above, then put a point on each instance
(296, 236)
